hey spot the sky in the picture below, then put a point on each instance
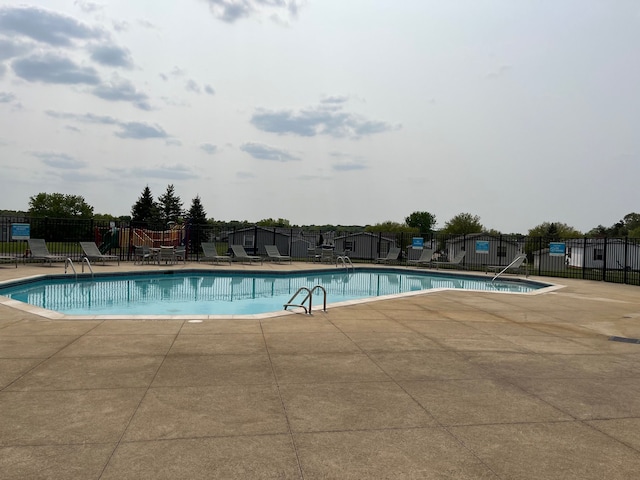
(343, 112)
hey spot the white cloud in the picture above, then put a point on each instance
(261, 151)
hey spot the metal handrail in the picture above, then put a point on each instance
(345, 260)
(86, 259)
(68, 262)
(509, 266)
(309, 297)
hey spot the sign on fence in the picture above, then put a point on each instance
(20, 231)
(557, 249)
(417, 242)
(482, 246)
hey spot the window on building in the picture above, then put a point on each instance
(247, 241)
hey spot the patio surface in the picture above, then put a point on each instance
(455, 385)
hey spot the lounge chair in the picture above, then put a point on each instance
(273, 254)
(392, 256)
(240, 254)
(93, 253)
(424, 259)
(514, 267)
(454, 262)
(211, 253)
(39, 251)
(8, 258)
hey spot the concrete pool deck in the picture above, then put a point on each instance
(453, 384)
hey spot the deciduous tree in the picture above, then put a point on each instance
(423, 221)
(59, 205)
(463, 224)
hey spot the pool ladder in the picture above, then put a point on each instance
(69, 263)
(346, 261)
(309, 297)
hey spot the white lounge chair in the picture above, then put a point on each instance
(211, 253)
(514, 267)
(93, 253)
(273, 254)
(454, 262)
(240, 254)
(39, 251)
(392, 256)
(425, 257)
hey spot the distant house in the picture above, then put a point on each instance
(591, 253)
(253, 239)
(594, 252)
(482, 249)
(364, 245)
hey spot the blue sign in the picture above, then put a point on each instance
(20, 231)
(482, 246)
(417, 242)
(557, 249)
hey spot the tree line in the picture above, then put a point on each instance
(168, 210)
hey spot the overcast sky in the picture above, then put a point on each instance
(327, 111)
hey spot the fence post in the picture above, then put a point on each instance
(604, 260)
(584, 258)
(625, 276)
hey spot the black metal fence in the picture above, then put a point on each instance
(606, 258)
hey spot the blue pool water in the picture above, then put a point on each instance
(229, 293)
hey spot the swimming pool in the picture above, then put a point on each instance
(204, 293)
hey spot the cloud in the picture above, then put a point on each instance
(6, 97)
(325, 119)
(267, 152)
(122, 90)
(209, 148)
(59, 160)
(45, 26)
(112, 56)
(172, 172)
(129, 130)
(139, 131)
(51, 68)
(346, 162)
(232, 10)
(192, 86)
(208, 89)
(89, 7)
(10, 48)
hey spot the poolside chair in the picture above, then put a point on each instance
(211, 253)
(392, 256)
(8, 258)
(273, 254)
(93, 253)
(180, 253)
(240, 254)
(454, 262)
(141, 254)
(424, 259)
(514, 267)
(39, 251)
(166, 254)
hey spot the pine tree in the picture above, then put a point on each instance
(197, 215)
(170, 205)
(197, 219)
(145, 210)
